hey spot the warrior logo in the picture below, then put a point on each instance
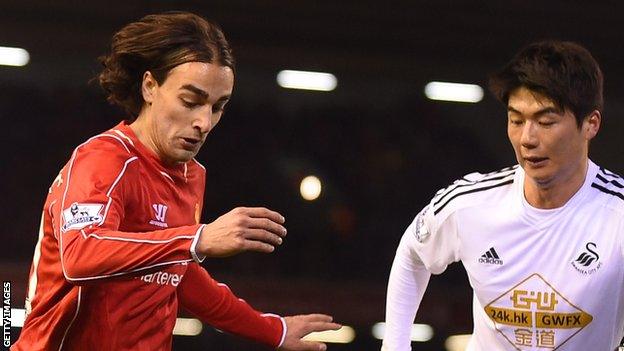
(160, 211)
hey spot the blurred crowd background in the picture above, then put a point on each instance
(379, 146)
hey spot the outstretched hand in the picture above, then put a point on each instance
(302, 325)
(242, 229)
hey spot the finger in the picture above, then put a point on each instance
(267, 224)
(312, 346)
(317, 317)
(258, 246)
(263, 236)
(320, 326)
(262, 212)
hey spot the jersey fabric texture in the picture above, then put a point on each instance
(115, 256)
(542, 278)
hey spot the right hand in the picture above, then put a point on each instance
(242, 229)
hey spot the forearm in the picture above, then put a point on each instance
(214, 304)
(406, 287)
(100, 253)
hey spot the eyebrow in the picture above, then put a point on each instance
(195, 90)
(538, 113)
(201, 92)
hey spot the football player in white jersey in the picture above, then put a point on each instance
(543, 241)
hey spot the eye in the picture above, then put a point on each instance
(516, 121)
(546, 123)
(189, 104)
(220, 107)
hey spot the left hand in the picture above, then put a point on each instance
(302, 325)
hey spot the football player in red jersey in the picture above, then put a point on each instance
(120, 240)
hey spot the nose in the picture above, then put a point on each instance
(203, 121)
(529, 138)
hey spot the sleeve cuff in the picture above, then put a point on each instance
(284, 327)
(197, 258)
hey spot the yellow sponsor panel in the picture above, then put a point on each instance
(510, 316)
(562, 320)
(536, 316)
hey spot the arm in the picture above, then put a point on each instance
(101, 251)
(406, 287)
(213, 303)
(428, 245)
(92, 198)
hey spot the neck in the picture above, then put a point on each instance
(556, 192)
(141, 128)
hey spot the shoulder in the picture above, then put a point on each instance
(609, 186)
(101, 157)
(473, 189)
(107, 144)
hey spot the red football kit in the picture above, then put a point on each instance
(116, 255)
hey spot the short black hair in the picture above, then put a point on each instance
(563, 71)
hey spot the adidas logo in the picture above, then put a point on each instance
(491, 257)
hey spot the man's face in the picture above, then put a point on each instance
(549, 145)
(184, 109)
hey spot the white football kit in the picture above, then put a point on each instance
(542, 279)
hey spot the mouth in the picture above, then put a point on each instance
(535, 161)
(191, 144)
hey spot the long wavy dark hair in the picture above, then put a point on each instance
(158, 43)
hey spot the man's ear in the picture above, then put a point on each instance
(591, 124)
(148, 87)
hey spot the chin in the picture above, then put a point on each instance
(181, 157)
(539, 175)
(185, 158)
(542, 179)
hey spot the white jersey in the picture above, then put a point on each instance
(542, 279)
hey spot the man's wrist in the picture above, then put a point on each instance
(197, 257)
(284, 327)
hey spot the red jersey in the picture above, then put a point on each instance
(115, 256)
